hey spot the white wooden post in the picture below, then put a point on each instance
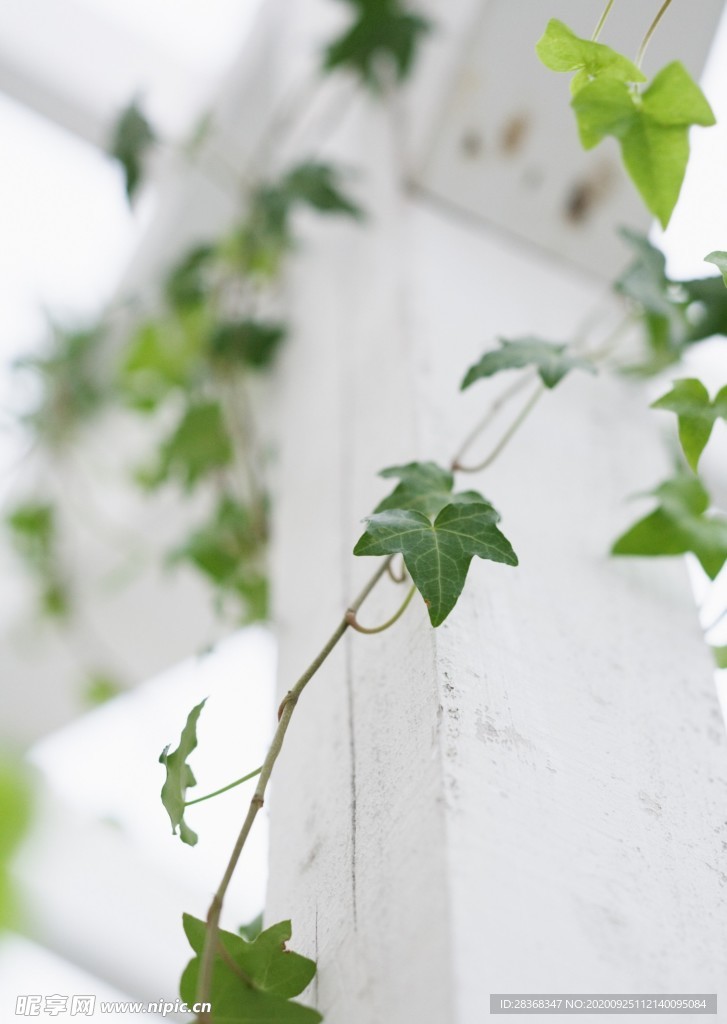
(532, 798)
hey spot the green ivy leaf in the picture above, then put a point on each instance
(253, 982)
(162, 356)
(180, 778)
(131, 140)
(423, 487)
(383, 36)
(560, 49)
(187, 284)
(438, 554)
(719, 259)
(317, 185)
(696, 414)
(229, 551)
(675, 314)
(551, 360)
(33, 531)
(252, 343)
(652, 128)
(720, 657)
(199, 445)
(679, 524)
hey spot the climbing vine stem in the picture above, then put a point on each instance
(650, 31)
(602, 20)
(506, 437)
(370, 630)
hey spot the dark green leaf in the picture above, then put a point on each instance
(187, 285)
(317, 185)
(651, 127)
(696, 414)
(423, 487)
(383, 38)
(679, 524)
(438, 554)
(252, 343)
(229, 551)
(131, 140)
(199, 445)
(253, 982)
(552, 361)
(719, 259)
(180, 778)
(560, 49)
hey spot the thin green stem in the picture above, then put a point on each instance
(602, 21)
(284, 716)
(494, 409)
(650, 31)
(506, 437)
(218, 792)
(355, 624)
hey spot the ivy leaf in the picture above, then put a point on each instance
(560, 49)
(423, 487)
(719, 259)
(317, 185)
(252, 982)
(180, 777)
(652, 128)
(229, 551)
(186, 286)
(679, 524)
(384, 35)
(33, 531)
(131, 140)
(199, 445)
(252, 343)
(675, 314)
(438, 554)
(551, 360)
(696, 414)
(161, 356)
(720, 657)
(252, 929)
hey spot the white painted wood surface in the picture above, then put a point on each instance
(532, 798)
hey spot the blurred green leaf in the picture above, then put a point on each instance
(696, 414)
(252, 982)
(34, 535)
(719, 259)
(382, 39)
(187, 284)
(560, 49)
(131, 139)
(100, 688)
(552, 361)
(318, 185)
(680, 524)
(252, 343)
(16, 804)
(197, 447)
(162, 356)
(180, 777)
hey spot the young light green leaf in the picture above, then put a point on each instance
(560, 49)
(100, 688)
(252, 982)
(383, 37)
(180, 778)
(161, 356)
(652, 128)
(199, 445)
(679, 524)
(131, 140)
(551, 360)
(719, 259)
(438, 554)
(696, 414)
(423, 487)
(720, 657)
(16, 807)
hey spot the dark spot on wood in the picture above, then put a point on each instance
(472, 144)
(513, 134)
